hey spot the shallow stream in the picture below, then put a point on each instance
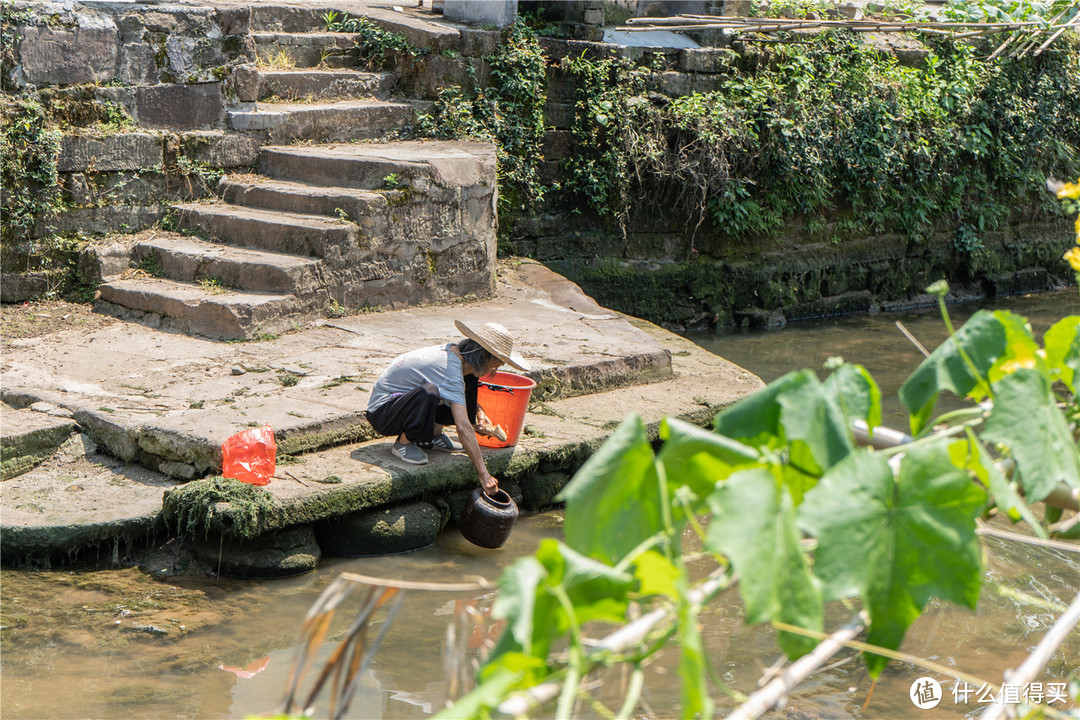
(126, 643)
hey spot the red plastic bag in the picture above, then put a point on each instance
(250, 456)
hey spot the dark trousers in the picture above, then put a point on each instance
(417, 412)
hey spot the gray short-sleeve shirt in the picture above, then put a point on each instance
(435, 364)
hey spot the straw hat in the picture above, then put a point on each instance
(497, 340)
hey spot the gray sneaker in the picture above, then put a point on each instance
(444, 443)
(410, 453)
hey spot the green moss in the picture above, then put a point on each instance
(191, 508)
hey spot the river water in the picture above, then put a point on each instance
(126, 643)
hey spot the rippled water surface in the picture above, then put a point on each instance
(123, 643)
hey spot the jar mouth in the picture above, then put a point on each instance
(501, 498)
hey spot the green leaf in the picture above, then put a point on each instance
(696, 700)
(1062, 345)
(1021, 350)
(525, 609)
(1026, 419)
(896, 541)
(855, 391)
(982, 337)
(698, 459)
(618, 484)
(753, 524)
(793, 412)
(656, 575)
(534, 615)
(971, 455)
(597, 591)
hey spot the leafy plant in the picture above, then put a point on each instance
(508, 112)
(827, 127)
(391, 181)
(893, 528)
(1069, 194)
(211, 284)
(29, 151)
(376, 46)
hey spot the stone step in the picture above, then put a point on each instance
(374, 166)
(268, 17)
(221, 266)
(337, 83)
(279, 232)
(325, 122)
(306, 49)
(258, 192)
(193, 310)
(28, 438)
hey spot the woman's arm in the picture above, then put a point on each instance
(467, 436)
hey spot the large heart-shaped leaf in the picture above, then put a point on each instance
(793, 413)
(897, 541)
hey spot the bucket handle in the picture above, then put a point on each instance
(498, 388)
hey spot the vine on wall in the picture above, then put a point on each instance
(831, 129)
(508, 112)
(29, 149)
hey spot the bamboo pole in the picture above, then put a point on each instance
(882, 438)
(1037, 660)
(1052, 38)
(768, 697)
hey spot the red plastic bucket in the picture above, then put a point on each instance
(504, 398)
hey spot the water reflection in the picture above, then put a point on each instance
(79, 645)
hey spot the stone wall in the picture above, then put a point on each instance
(175, 72)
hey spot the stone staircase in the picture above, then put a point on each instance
(319, 228)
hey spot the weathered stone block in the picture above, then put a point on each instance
(705, 60)
(245, 83)
(288, 552)
(233, 21)
(134, 151)
(179, 107)
(499, 13)
(678, 84)
(103, 220)
(559, 115)
(137, 65)
(219, 149)
(193, 59)
(381, 532)
(17, 287)
(28, 438)
(69, 56)
(558, 144)
(478, 43)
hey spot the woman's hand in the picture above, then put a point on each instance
(489, 484)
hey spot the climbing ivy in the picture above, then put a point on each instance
(509, 111)
(834, 132)
(29, 150)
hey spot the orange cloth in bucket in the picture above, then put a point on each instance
(505, 405)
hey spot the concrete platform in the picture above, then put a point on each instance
(160, 405)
